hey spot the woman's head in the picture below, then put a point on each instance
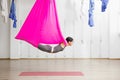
(69, 41)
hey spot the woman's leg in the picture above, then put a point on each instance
(45, 48)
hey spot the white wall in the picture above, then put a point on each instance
(101, 41)
(88, 43)
(115, 29)
(4, 39)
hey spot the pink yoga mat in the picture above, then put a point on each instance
(51, 74)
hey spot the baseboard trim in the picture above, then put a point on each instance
(114, 58)
(60, 59)
(4, 58)
(69, 58)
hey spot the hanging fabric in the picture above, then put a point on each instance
(12, 14)
(42, 25)
(91, 8)
(104, 5)
(4, 10)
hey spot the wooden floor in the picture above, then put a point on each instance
(92, 69)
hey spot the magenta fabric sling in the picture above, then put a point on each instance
(42, 25)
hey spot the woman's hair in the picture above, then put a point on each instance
(69, 39)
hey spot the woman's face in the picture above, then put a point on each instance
(70, 43)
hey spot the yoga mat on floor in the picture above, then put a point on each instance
(51, 74)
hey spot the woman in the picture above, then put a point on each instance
(58, 48)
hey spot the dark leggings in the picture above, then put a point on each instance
(48, 48)
(45, 48)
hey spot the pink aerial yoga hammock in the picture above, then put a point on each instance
(41, 25)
